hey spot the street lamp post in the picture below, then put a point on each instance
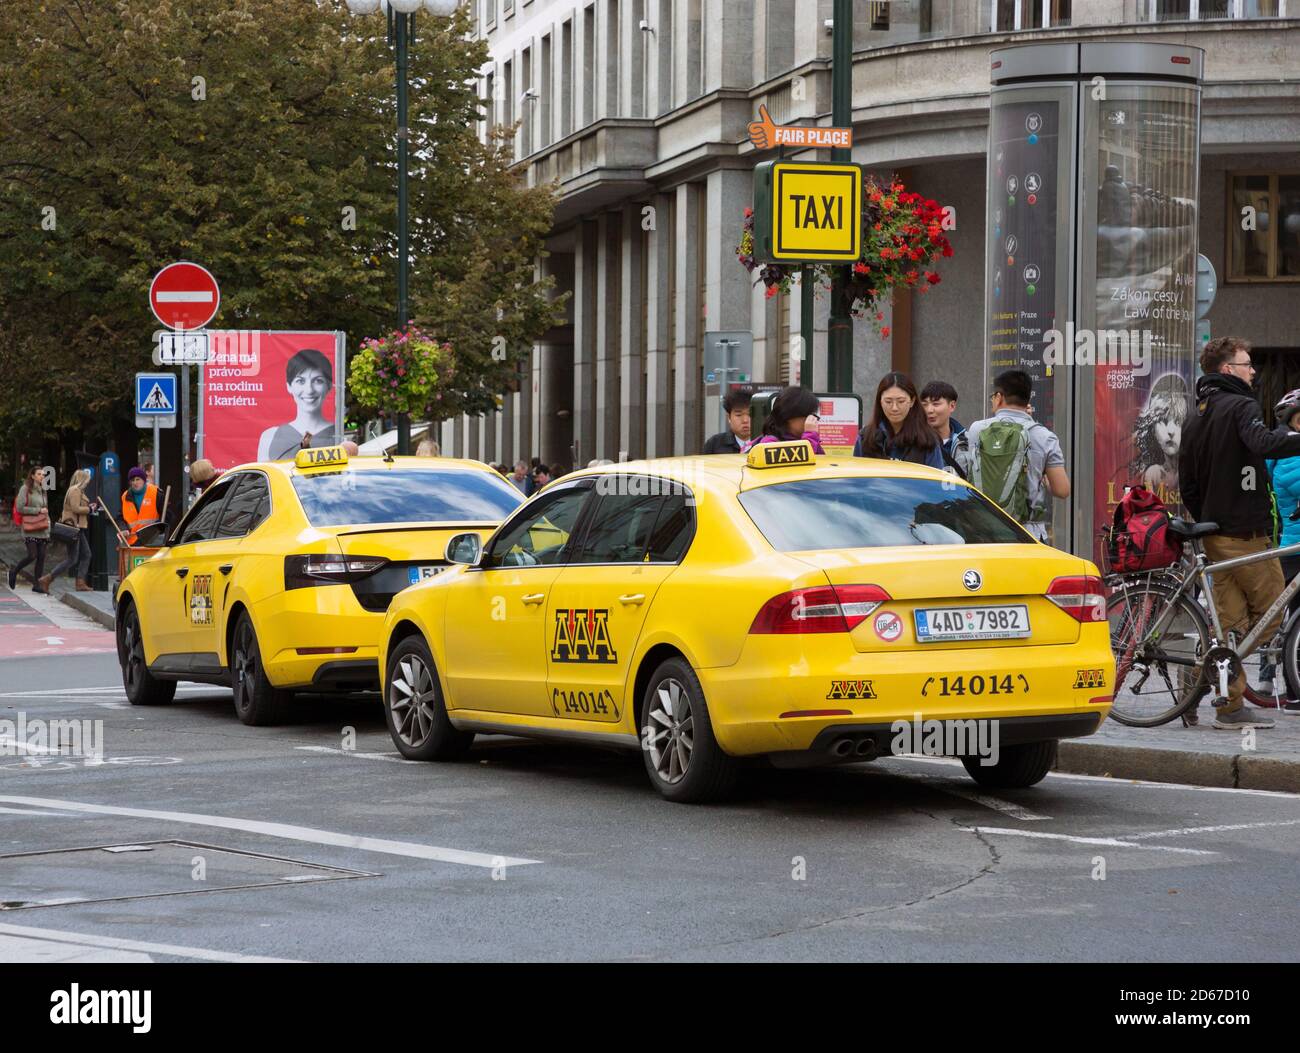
(839, 333)
(401, 26)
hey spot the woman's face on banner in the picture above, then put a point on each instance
(1168, 432)
(309, 389)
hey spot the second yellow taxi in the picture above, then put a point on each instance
(277, 579)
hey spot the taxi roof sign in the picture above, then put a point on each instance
(807, 211)
(780, 454)
(321, 457)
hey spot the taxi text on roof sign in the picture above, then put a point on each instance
(321, 457)
(807, 212)
(780, 454)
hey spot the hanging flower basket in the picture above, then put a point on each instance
(407, 371)
(902, 237)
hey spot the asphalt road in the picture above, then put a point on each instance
(297, 843)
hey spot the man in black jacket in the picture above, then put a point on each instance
(738, 424)
(1223, 479)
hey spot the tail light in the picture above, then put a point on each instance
(304, 572)
(1083, 598)
(822, 609)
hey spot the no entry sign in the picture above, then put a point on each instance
(184, 296)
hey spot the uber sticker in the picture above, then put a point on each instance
(851, 689)
(888, 626)
(582, 635)
(584, 705)
(201, 600)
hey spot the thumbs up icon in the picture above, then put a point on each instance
(762, 132)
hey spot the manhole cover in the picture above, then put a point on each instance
(147, 869)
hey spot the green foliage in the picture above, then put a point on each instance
(254, 170)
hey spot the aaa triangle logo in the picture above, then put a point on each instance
(157, 399)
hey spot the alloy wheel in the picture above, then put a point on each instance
(411, 695)
(673, 730)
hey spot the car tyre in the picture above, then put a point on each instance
(1018, 766)
(258, 702)
(415, 709)
(682, 756)
(142, 687)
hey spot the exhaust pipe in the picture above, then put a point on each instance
(866, 747)
(842, 747)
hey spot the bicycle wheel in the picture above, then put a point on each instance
(1159, 639)
(1289, 660)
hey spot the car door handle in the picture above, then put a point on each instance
(182, 571)
(534, 598)
(632, 597)
(226, 568)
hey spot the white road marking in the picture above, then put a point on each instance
(91, 692)
(287, 832)
(997, 804)
(33, 811)
(1181, 831)
(395, 758)
(14, 747)
(116, 943)
(1113, 842)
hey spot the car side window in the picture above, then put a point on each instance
(201, 523)
(542, 536)
(674, 528)
(620, 528)
(247, 507)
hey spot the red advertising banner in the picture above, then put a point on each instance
(267, 394)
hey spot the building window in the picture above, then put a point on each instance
(544, 102)
(1011, 15)
(694, 50)
(1199, 10)
(527, 99)
(490, 13)
(1264, 227)
(490, 101)
(507, 113)
(507, 9)
(613, 39)
(566, 79)
(664, 44)
(589, 65)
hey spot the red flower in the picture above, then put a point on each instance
(933, 231)
(947, 250)
(932, 278)
(861, 268)
(880, 316)
(884, 331)
(771, 291)
(884, 254)
(749, 212)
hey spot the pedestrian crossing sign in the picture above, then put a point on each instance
(155, 394)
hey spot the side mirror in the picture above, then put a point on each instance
(464, 549)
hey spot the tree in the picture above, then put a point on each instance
(255, 137)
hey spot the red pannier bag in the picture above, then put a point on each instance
(1140, 538)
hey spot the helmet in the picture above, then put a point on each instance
(1287, 407)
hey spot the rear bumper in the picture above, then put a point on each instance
(324, 617)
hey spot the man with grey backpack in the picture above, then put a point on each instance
(1012, 458)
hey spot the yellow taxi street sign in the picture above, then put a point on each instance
(807, 212)
(321, 457)
(780, 454)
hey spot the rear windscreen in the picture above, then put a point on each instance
(351, 498)
(861, 512)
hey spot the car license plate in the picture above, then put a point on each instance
(934, 624)
(419, 574)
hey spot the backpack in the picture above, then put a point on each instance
(1139, 535)
(999, 466)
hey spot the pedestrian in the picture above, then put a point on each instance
(34, 514)
(428, 448)
(351, 448)
(794, 415)
(519, 477)
(897, 430)
(1222, 469)
(541, 476)
(734, 438)
(203, 473)
(939, 402)
(139, 503)
(1015, 460)
(1284, 476)
(73, 528)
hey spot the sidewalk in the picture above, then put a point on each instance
(1199, 756)
(96, 605)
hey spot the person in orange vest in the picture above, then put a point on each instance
(139, 503)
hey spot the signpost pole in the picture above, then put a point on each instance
(185, 435)
(400, 43)
(157, 460)
(806, 327)
(839, 362)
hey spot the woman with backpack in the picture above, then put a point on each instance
(794, 416)
(33, 517)
(1284, 475)
(898, 430)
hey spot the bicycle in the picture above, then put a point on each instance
(1158, 628)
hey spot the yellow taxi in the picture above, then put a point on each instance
(278, 578)
(812, 610)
